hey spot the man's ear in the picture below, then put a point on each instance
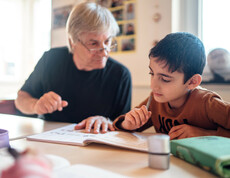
(194, 81)
(71, 43)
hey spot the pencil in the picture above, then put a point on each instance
(13, 152)
(149, 101)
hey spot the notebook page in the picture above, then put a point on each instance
(67, 135)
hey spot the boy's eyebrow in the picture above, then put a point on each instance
(165, 75)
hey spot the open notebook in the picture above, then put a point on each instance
(67, 135)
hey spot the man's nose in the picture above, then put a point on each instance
(104, 51)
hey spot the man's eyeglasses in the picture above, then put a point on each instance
(94, 47)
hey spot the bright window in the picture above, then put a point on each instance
(216, 26)
(215, 33)
(24, 34)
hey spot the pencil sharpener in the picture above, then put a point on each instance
(159, 151)
(4, 138)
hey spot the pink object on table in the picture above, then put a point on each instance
(29, 166)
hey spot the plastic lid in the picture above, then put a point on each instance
(159, 143)
(4, 138)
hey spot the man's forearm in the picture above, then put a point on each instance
(25, 103)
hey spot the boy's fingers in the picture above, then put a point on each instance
(142, 117)
(149, 114)
(130, 119)
(136, 119)
(175, 128)
(176, 132)
(129, 122)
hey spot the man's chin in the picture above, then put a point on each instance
(100, 64)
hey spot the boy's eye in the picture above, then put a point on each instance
(164, 80)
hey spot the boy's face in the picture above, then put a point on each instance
(167, 86)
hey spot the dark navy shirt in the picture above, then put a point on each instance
(105, 92)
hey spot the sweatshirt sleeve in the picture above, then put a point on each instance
(218, 112)
(223, 132)
(117, 122)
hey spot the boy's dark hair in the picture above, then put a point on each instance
(182, 52)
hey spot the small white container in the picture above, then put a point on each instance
(159, 151)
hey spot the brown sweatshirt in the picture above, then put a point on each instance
(203, 108)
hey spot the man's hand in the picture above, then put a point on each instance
(49, 103)
(95, 123)
(186, 131)
(136, 118)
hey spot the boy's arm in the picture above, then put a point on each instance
(223, 132)
(218, 111)
(117, 122)
(187, 131)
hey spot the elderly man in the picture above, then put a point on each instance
(81, 84)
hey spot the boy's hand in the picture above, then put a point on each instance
(186, 131)
(136, 118)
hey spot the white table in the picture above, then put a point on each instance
(20, 127)
(121, 161)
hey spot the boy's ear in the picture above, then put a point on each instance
(194, 81)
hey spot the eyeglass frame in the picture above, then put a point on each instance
(96, 50)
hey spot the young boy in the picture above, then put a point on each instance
(179, 107)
